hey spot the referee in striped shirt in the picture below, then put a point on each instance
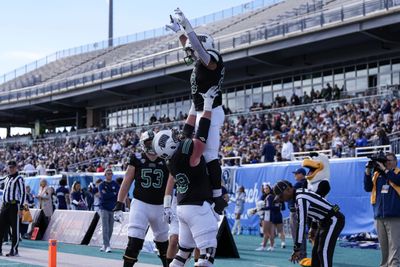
(13, 201)
(309, 204)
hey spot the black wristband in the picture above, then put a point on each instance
(202, 130)
(119, 206)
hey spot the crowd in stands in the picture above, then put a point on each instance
(268, 137)
(327, 93)
(260, 137)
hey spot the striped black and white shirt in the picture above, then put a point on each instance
(313, 206)
(14, 189)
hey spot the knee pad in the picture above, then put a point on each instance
(133, 248)
(182, 257)
(206, 257)
(215, 172)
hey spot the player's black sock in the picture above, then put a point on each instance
(162, 251)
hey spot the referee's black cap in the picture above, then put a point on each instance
(12, 163)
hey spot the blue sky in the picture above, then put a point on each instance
(32, 29)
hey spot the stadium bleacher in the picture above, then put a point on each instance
(85, 62)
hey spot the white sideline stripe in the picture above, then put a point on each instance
(40, 257)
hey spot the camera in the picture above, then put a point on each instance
(378, 157)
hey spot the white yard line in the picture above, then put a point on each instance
(40, 257)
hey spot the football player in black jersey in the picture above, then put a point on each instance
(208, 72)
(150, 174)
(197, 221)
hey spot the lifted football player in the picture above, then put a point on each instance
(197, 221)
(208, 72)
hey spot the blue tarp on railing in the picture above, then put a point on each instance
(347, 190)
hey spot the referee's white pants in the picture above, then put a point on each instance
(141, 215)
(213, 141)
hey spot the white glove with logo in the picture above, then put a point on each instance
(183, 21)
(209, 97)
(118, 213)
(174, 25)
(118, 216)
(168, 215)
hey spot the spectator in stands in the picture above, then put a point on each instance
(386, 109)
(328, 92)
(40, 168)
(30, 198)
(295, 100)
(77, 198)
(45, 199)
(115, 146)
(287, 149)
(384, 184)
(29, 169)
(313, 94)
(269, 151)
(108, 198)
(306, 99)
(382, 138)
(361, 140)
(62, 194)
(100, 168)
(336, 92)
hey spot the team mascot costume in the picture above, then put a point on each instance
(318, 178)
(319, 173)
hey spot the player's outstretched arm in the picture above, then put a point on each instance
(170, 186)
(168, 214)
(188, 128)
(204, 56)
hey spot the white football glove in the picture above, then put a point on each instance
(168, 215)
(209, 97)
(174, 25)
(118, 216)
(183, 21)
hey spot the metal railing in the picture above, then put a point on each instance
(303, 155)
(153, 33)
(175, 56)
(370, 150)
(235, 159)
(395, 144)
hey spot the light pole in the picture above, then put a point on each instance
(110, 23)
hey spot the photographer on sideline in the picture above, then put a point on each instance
(382, 179)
